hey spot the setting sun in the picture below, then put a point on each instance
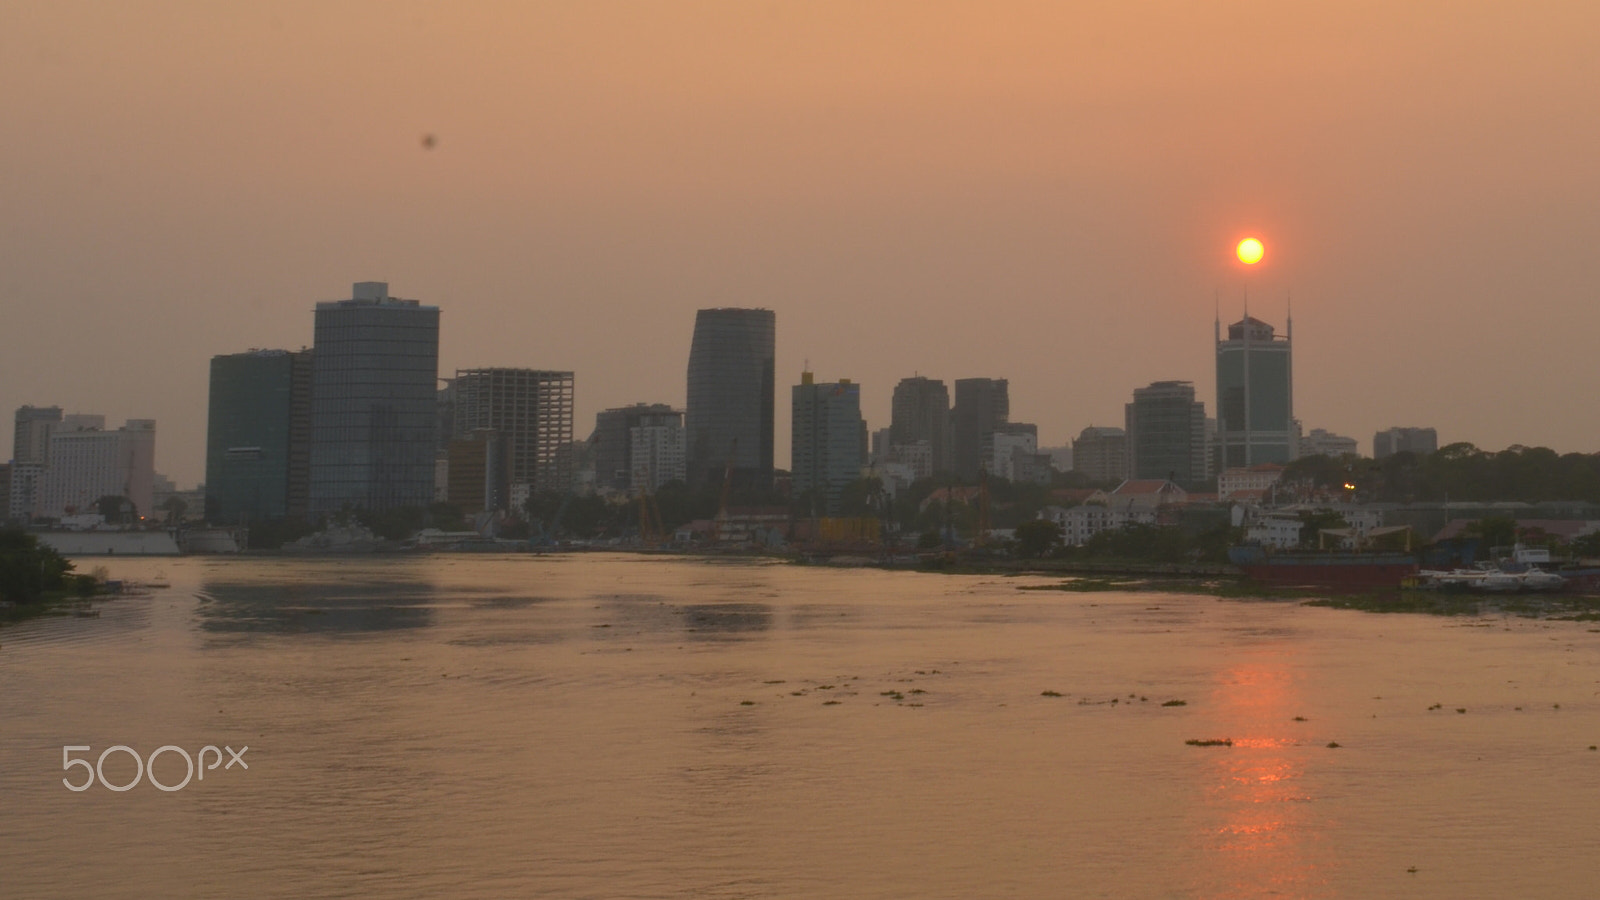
(1249, 251)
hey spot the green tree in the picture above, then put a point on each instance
(448, 517)
(1037, 537)
(28, 568)
(1496, 531)
(863, 497)
(175, 508)
(1588, 546)
(394, 524)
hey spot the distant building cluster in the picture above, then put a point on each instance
(65, 465)
(362, 420)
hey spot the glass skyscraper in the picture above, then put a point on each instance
(731, 395)
(258, 436)
(374, 402)
(1255, 395)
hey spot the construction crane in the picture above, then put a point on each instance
(727, 487)
(651, 531)
(983, 507)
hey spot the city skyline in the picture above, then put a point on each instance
(926, 188)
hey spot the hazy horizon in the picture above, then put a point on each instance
(1048, 193)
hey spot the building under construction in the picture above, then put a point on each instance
(532, 409)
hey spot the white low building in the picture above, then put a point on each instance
(88, 462)
(1080, 523)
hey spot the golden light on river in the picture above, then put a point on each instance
(1249, 251)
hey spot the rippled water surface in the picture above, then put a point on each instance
(614, 727)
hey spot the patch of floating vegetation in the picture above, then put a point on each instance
(1099, 585)
(1209, 742)
(1551, 607)
(747, 703)
(1426, 602)
(1333, 745)
(1299, 718)
(1049, 693)
(830, 703)
(1176, 703)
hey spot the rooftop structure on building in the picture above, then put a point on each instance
(731, 396)
(1255, 394)
(374, 402)
(1147, 492)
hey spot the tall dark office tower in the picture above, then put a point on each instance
(532, 408)
(981, 404)
(1166, 430)
(1255, 395)
(258, 436)
(921, 412)
(31, 441)
(826, 441)
(374, 402)
(731, 395)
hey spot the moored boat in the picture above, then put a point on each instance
(1335, 569)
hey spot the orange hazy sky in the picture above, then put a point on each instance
(1047, 192)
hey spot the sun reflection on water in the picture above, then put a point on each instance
(1261, 832)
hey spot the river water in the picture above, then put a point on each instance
(617, 727)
